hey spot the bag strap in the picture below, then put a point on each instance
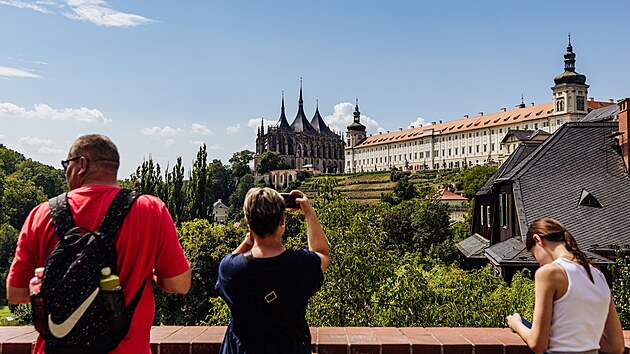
(61, 215)
(117, 212)
(121, 204)
(272, 299)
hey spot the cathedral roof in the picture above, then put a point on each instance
(300, 123)
(318, 124)
(282, 122)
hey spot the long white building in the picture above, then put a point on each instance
(472, 140)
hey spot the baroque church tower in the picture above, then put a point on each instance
(570, 90)
(302, 144)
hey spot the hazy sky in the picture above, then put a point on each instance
(161, 77)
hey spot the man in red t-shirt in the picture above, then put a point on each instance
(147, 244)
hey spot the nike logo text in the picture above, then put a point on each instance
(61, 330)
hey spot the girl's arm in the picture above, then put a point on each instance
(537, 338)
(612, 338)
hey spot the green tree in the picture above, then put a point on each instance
(19, 198)
(8, 243)
(198, 188)
(237, 198)
(269, 161)
(221, 181)
(49, 179)
(474, 178)
(621, 288)
(239, 163)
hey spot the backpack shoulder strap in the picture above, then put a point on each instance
(117, 212)
(61, 215)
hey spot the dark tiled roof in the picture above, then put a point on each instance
(301, 124)
(512, 251)
(605, 114)
(518, 155)
(473, 246)
(549, 182)
(318, 124)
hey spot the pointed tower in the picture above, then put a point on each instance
(356, 130)
(301, 123)
(570, 90)
(282, 122)
(318, 123)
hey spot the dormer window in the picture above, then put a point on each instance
(587, 199)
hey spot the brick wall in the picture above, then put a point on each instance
(326, 340)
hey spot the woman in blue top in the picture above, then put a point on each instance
(574, 310)
(266, 286)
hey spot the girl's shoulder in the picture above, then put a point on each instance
(550, 272)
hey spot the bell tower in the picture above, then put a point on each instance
(570, 90)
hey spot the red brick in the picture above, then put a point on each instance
(332, 340)
(209, 341)
(362, 340)
(421, 340)
(392, 340)
(453, 342)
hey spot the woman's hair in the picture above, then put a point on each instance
(263, 208)
(97, 148)
(553, 230)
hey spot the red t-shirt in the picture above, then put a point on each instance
(146, 244)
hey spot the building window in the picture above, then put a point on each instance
(559, 121)
(484, 133)
(477, 148)
(488, 215)
(526, 127)
(503, 215)
(449, 152)
(481, 216)
(470, 149)
(476, 133)
(560, 104)
(492, 131)
(455, 151)
(501, 131)
(492, 146)
(545, 124)
(580, 103)
(535, 125)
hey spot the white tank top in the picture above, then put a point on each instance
(579, 316)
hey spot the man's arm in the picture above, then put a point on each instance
(17, 295)
(245, 246)
(179, 284)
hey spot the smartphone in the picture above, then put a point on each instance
(289, 200)
(526, 323)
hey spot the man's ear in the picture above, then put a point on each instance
(538, 239)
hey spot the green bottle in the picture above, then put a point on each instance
(114, 301)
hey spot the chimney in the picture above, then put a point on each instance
(440, 121)
(480, 113)
(503, 109)
(388, 131)
(533, 104)
(432, 123)
(412, 127)
(610, 100)
(624, 128)
(465, 116)
(591, 99)
(399, 129)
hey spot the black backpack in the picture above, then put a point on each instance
(76, 316)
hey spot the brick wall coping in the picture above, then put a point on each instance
(326, 340)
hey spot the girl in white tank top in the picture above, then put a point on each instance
(574, 311)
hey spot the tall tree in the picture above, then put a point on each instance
(221, 182)
(198, 187)
(239, 163)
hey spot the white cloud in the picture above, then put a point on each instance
(416, 123)
(169, 142)
(157, 131)
(44, 111)
(200, 129)
(97, 12)
(197, 142)
(343, 115)
(254, 123)
(216, 147)
(14, 72)
(100, 13)
(25, 5)
(33, 141)
(46, 150)
(233, 129)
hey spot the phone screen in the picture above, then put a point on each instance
(526, 323)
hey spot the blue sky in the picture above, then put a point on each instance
(161, 77)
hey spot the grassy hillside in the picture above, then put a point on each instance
(367, 187)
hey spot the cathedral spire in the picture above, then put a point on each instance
(356, 124)
(570, 76)
(569, 57)
(301, 123)
(282, 122)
